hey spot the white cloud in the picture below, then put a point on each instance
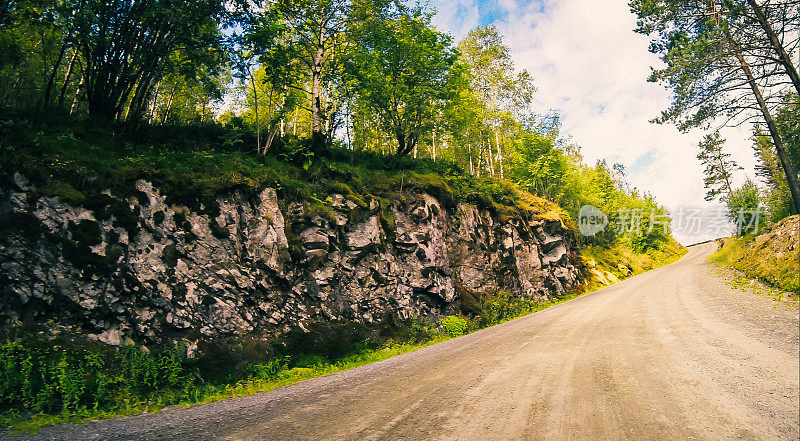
(591, 68)
(456, 16)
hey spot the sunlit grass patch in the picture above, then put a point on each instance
(742, 253)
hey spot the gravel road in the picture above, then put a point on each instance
(675, 353)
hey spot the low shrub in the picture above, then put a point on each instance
(65, 375)
(329, 341)
(420, 331)
(454, 325)
(490, 308)
(230, 360)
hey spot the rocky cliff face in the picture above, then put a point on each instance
(142, 268)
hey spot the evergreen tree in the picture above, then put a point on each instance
(726, 61)
(718, 167)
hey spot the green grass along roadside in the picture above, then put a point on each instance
(771, 257)
(781, 274)
(619, 260)
(497, 309)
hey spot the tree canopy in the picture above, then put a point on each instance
(726, 62)
(400, 67)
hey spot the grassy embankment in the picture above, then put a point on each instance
(45, 381)
(620, 261)
(771, 257)
(76, 161)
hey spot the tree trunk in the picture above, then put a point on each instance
(401, 143)
(490, 155)
(788, 169)
(270, 138)
(66, 78)
(791, 175)
(433, 145)
(775, 42)
(78, 94)
(347, 125)
(49, 89)
(329, 128)
(19, 71)
(725, 173)
(469, 154)
(255, 108)
(499, 152)
(294, 122)
(481, 162)
(317, 135)
(169, 106)
(142, 94)
(155, 104)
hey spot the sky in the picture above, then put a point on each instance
(591, 68)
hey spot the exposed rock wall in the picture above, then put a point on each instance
(143, 268)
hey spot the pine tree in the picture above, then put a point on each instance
(718, 167)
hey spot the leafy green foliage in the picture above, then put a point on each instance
(77, 161)
(68, 376)
(724, 61)
(777, 196)
(718, 167)
(624, 259)
(700, 44)
(542, 164)
(454, 325)
(109, 55)
(492, 73)
(490, 308)
(420, 331)
(400, 67)
(297, 43)
(744, 208)
(539, 166)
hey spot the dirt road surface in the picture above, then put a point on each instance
(675, 353)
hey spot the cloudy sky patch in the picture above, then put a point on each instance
(591, 68)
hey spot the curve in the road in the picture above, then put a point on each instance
(675, 353)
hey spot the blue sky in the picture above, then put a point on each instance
(487, 12)
(591, 68)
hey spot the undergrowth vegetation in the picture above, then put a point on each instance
(46, 380)
(77, 160)
(771, 258)
(67, 376)
(624, 260)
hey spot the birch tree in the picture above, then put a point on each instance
(297, 42)
(502, 89)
